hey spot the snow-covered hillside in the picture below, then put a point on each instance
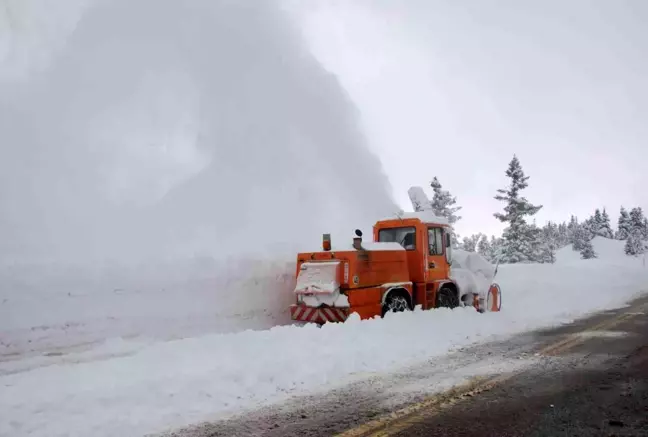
(129, 387)
(607, 250)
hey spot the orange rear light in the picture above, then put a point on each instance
(326, 242)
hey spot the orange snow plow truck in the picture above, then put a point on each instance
(407, 264)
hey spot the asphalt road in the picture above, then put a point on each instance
(585, 379)
(595, 388)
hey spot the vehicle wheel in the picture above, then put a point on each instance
(395, 303)
(447, 298)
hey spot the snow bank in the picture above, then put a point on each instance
(607, 250)
(57, 306)
(131, 389)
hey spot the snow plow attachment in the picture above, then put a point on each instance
(494, 298)
(493, 301)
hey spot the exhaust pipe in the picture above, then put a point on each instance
(357, 240)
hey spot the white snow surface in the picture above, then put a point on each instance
(425, 216)
(133, 387)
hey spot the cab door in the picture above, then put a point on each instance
(437, 265)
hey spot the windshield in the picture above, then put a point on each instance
(405, 236)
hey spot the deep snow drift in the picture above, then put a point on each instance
(154, 155)
(129, 388)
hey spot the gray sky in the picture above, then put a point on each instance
(453, 89)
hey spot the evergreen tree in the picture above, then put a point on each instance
(547, 254)
(589, 226)
(518, 237)
(496, 249)
(550, 242)
(624, 225)
(572, 230)
(470, 243)
(563, 235)
(443, 203)
(456, 240)
(637, 230)
(605, 230)
(537, 238)
(587, 251)
(596, 223)
(484, 248)
(634, 246)
(637, 222)
(581, 236)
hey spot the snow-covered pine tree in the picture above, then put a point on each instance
(634, 245)
(624, 225)
(470, 243)
(637, 231)
(572, 230)
(518, 237)
(537, 243)
(595, 223)
(581, 236)
(605, 230)
(587, 251)
(484, 248)
(496, 249)
(443, 203)
(637, 221)
(563, 235)
(589, 226)
(456, 240)
(547, 254)
(550, 242)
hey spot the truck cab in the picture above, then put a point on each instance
(427, 244)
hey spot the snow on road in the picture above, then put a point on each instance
(130, 388)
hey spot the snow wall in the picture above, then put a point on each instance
(160, 164)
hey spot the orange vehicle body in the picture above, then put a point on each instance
(369, 278)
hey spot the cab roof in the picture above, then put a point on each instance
(427, 217)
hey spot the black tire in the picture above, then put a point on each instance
(447, 298)
(396, 302)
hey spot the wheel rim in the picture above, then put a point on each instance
(398, 304)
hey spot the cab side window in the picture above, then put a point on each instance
(435, 241)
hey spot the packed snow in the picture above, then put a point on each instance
(472, 273)
(426, 216)
(128, 388)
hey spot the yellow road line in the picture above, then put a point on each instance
(575, 339)
(472, 387)
(400, 420)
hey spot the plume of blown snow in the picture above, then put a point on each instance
(157, 130)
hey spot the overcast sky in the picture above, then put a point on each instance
(454, 89)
